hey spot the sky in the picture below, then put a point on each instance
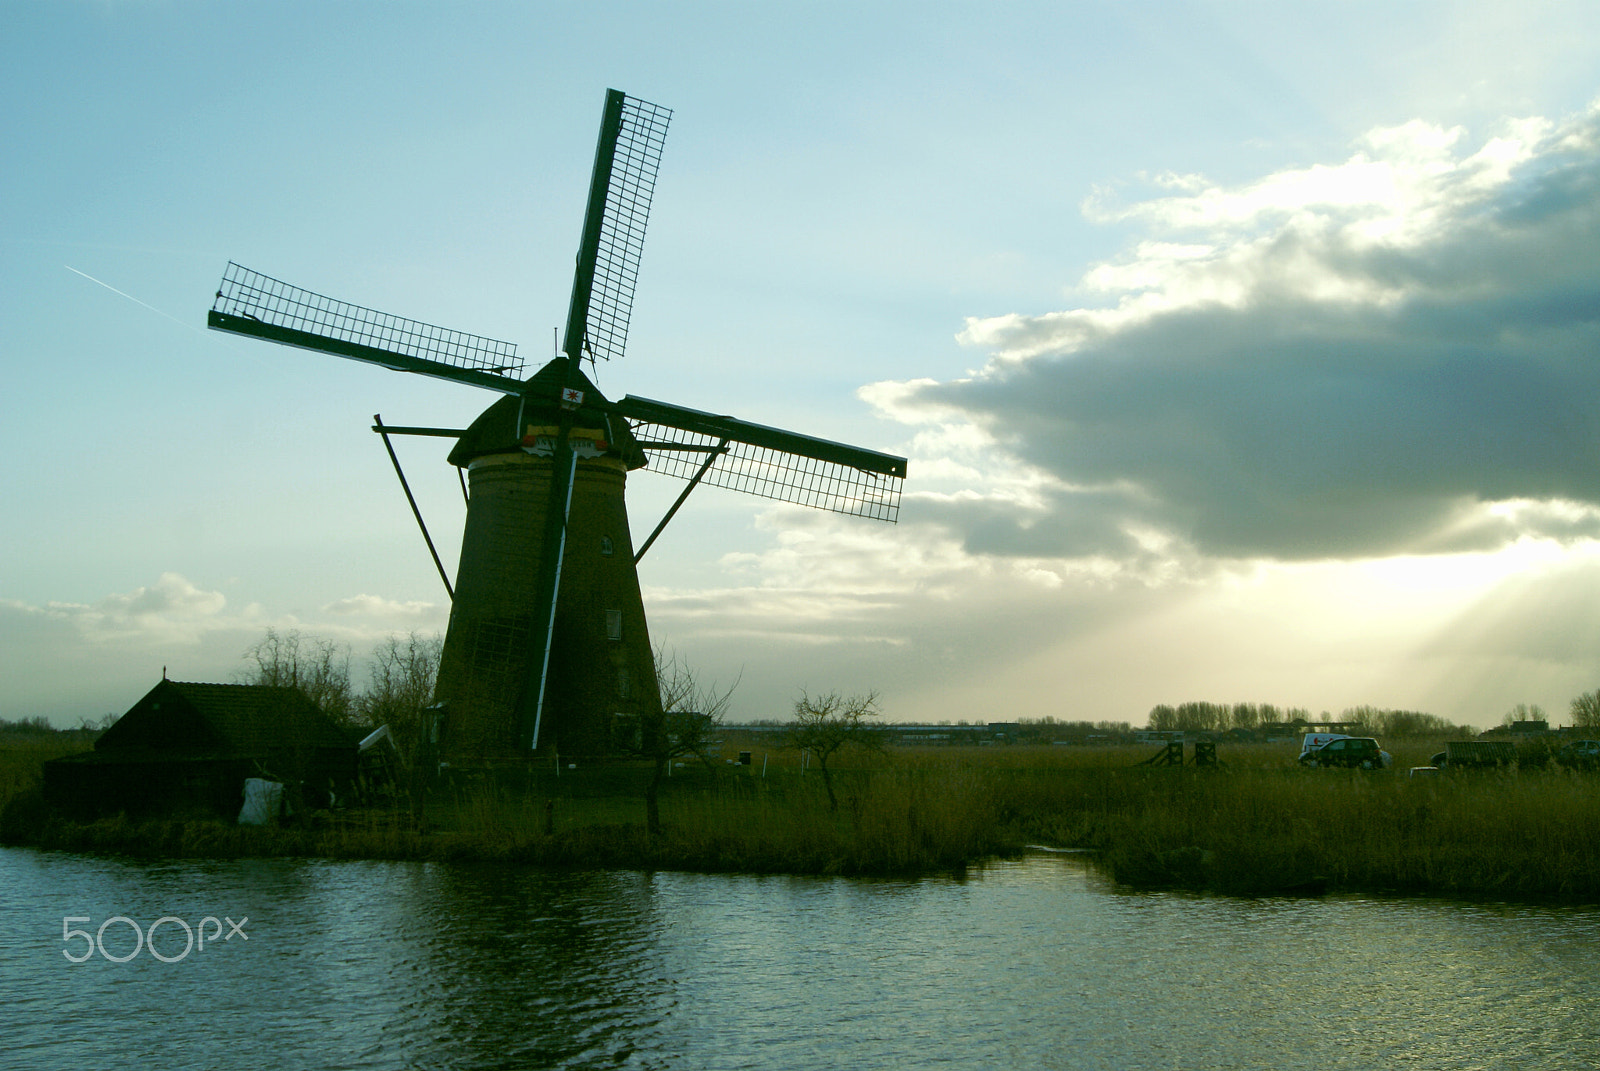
(1242, 352)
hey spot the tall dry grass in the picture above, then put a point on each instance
(1259, 827)
(1255, 825)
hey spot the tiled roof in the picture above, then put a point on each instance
(229, 718)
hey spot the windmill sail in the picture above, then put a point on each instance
(768, 462)
(632, 134)
(626, 159)
(249, 303)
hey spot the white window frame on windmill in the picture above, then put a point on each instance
(538, 441)
(583, 442)
(614, 626)
(592, 447)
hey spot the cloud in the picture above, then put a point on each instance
(69, 660)
(903, 609)
(170, 610)
(390, 610)
(1394, 354)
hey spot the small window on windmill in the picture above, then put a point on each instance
(614, 626)
(624, 687)
(605, 546)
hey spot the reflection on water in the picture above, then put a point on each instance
(1029, 963)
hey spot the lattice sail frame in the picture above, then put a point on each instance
(249, 295)
(640, 140)
(769, 472)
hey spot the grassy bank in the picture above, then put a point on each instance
(1258, 825)
(1527, 834)
(889, 821)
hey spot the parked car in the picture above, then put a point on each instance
(1357, 752)
(1580, 754)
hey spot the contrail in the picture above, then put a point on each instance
(225, 341)
(130, 297)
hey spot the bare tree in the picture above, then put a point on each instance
(1585, 710)
(400, 684)
(826, 724)
(685, 724)
(1522, 712)
(316, 666)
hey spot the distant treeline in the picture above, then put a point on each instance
(1079, 726)
(1374, 721)
(40, 726)
(27, 726)
(965, 723)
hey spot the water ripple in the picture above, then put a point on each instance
(1028, 963)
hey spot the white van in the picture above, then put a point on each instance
(1328, 749)
(1313, 741)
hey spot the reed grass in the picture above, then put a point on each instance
(1256, 830)
(1256, 825)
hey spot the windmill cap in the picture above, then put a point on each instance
(497, 430)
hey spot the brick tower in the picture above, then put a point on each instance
(600, 659)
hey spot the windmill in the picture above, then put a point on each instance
(547, 642)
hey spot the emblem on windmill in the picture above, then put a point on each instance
(547, 642)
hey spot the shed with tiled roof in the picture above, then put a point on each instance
(190, 746)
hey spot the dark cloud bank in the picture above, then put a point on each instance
(1333, 377)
